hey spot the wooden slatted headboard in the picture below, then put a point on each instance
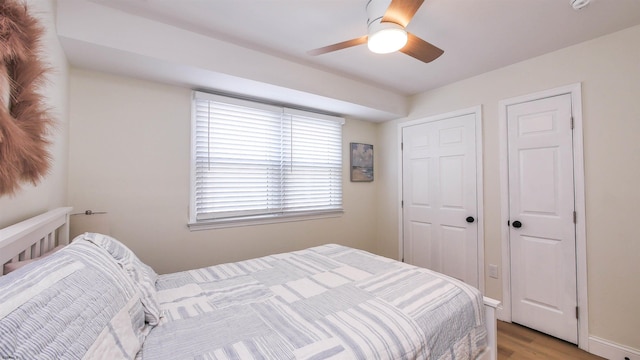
(33, 237)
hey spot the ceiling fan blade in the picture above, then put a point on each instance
(421, 49)
(401, 11)
(339, 46)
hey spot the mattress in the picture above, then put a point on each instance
(326, 302)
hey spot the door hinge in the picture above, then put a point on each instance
(577, 313)
(402, 204)
(572, 123)
(575, 217)
(401, 146)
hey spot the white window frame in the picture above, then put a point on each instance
(203, 224)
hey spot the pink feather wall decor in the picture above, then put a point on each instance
(24, 119)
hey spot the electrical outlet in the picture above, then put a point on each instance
(493, 271)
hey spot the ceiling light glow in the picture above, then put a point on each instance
(579, 4)
(389, 39)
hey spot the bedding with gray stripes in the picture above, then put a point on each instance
(327, 302)
(75, 304)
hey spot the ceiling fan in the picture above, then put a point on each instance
(387, 32)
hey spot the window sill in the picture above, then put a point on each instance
(229, 223)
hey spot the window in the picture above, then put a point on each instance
(253, 162)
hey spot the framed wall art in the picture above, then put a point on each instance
(361, 156)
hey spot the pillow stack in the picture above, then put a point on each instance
(141, 274)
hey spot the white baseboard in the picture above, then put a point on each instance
(610, 350)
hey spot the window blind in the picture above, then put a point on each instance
(251, 160)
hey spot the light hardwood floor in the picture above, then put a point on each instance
(519, 342)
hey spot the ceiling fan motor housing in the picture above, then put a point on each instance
(376, 10)
(383, 37)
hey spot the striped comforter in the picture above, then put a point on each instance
(327, 302)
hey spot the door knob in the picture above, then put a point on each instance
(470, 219)
(517, 224)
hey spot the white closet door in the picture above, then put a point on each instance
(541, 205)
(439, 197)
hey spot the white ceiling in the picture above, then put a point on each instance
(476, 35)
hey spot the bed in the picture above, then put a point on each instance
(96, 299)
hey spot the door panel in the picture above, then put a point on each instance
(539, 175)
(541, 198)
(420, 252)
(542, 274)
(452, 181)
(419, 172)
(454, 245)
(439, 192)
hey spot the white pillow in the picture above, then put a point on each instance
(142, 274)
(75, 304)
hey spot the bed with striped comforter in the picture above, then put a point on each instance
(327, 302)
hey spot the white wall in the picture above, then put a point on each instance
(51, 191)
(129, 156)
(93, 36)
(609, 70)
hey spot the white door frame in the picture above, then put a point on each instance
(504, 312)
(477, 112)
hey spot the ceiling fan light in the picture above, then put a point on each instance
(579, 4)
(387, 40)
